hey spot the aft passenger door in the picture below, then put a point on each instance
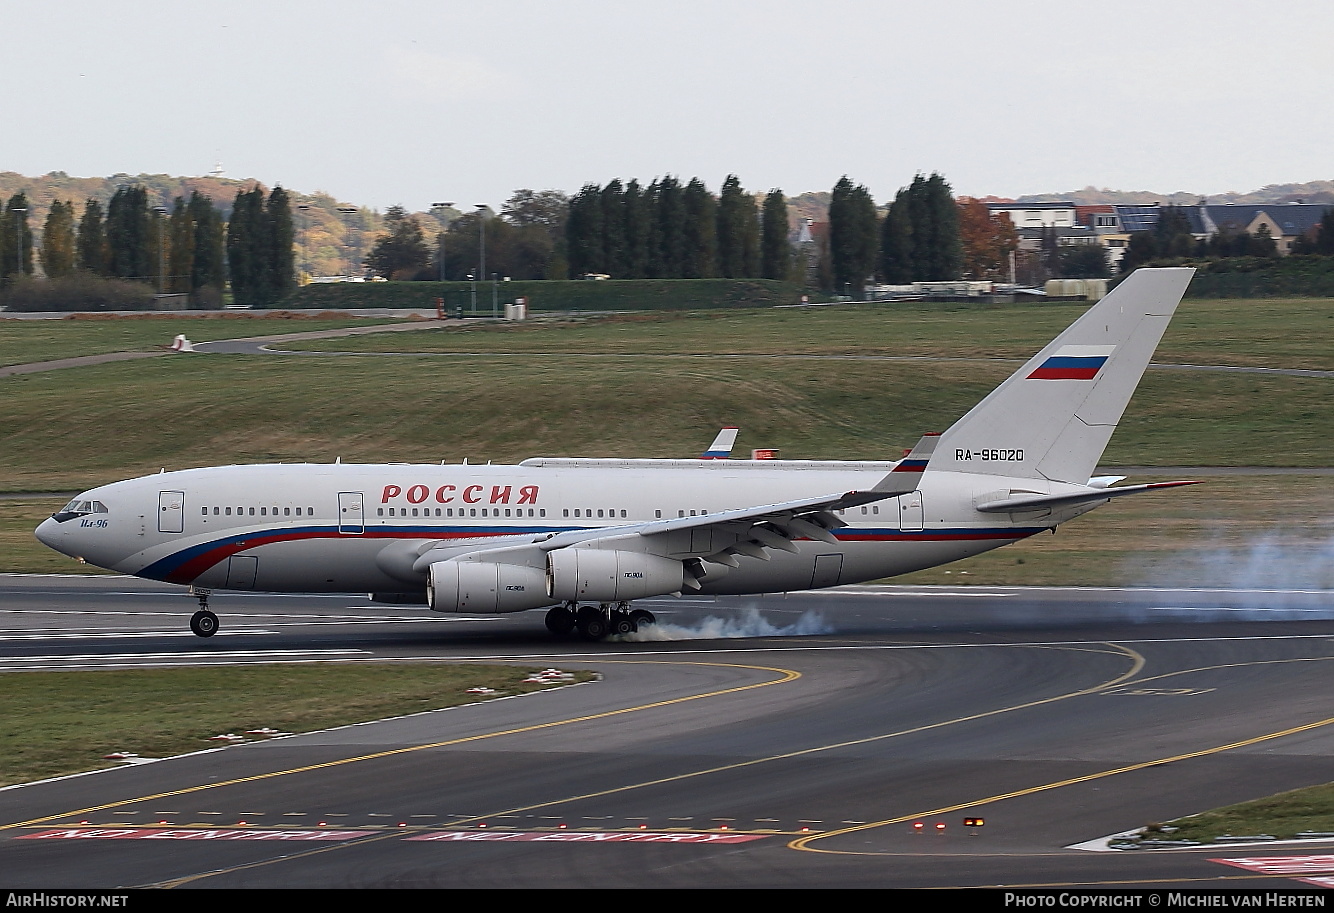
(171, 511)
(351, 517)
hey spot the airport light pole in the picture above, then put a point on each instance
(161, 249)
(439, 209)
(481, 222)
(352, 263)
(304, 209)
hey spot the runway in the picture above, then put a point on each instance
(788, 742)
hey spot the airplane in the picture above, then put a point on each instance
(584, 538)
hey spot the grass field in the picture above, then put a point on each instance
(1284, 815)
(1293, 333)
(70, 429)
(56, 723)
(24, 340)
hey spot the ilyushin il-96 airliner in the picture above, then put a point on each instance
(584, 538)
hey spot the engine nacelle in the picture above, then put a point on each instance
(480, 586)
(598, 575)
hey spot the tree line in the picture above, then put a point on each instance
(187, 249)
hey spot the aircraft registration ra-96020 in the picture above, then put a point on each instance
(583, 538)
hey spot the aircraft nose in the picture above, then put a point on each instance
(50, 533)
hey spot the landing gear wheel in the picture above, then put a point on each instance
(560, 621)
(642, 617)
(622, 623)
(204, 623)
(592, 623)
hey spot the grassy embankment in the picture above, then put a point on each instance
(1292, 333)
(30, 340)
(1285, 815)
(62, 722)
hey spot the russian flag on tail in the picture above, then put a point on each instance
(1073, 363)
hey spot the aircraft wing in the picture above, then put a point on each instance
(717, 537)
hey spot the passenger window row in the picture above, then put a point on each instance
(262, 512)
(472, 511)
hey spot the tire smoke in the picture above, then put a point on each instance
(747, 623)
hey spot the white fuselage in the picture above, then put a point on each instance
(333, 527)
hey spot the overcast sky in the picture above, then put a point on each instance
(417, 101)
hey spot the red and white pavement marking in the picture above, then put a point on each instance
(583, 837)
(163, 833)
(1283, 865)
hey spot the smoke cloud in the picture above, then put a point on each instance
(1271, 571)
(746, 623)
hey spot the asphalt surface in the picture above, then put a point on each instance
(770, 742)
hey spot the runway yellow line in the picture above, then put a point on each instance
(785, 675)
(804, 843)
(1137, 664)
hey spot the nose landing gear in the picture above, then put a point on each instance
(203, 623)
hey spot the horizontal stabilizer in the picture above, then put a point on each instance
(1034, 502)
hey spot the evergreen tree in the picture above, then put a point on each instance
(58, 240)
(1324, 239)
(583, 232)
(637, 229)
(207, 265)
(669, 229)
(402, 252)
(852, 236)
(93, 253)
(1172, 236)
(279, 240)
(130, 239)
(180, 248)
(896, 242)
(738, 232)
(245, 249)
(920, 238)
(615, 259)
(15, 237)
(775, 251)
(943, 254)
(701, 231)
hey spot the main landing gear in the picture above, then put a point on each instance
(203, 623)
(596, 622)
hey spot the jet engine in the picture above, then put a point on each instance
(481, 586)
(598, 575)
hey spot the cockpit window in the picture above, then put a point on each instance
(79, 508)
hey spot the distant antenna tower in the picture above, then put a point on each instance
(217, 171)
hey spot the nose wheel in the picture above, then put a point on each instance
(203, 623)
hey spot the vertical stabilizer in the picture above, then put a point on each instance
(1053, 417)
